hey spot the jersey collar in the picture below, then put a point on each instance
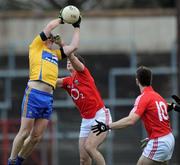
(147, 89)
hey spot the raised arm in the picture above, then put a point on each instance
(75, 62)
(51, 25)
(73, 46)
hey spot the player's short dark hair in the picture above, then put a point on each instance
(80, 58)
(144, 76)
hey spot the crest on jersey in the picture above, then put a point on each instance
(49, 57)
(68, 86)
(76, 82)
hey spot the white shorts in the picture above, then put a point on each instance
(102, 115)
(160, 149)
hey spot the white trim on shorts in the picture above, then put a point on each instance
(102, 115)
(160, 149)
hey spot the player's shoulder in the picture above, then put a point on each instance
(37, 40)
(84, 71)
(157, 96)
(139, 98)
(85, 74)
(143, 97)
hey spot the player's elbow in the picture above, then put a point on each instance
(131, 121)
(49, 28)
(75, 47)
(133, 118)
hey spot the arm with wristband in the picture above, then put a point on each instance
(73, 46)
(51, 26)
(175, 106)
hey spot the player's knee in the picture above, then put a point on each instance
(89, 148)
(23, 134)
(84, 159)
(35, 139)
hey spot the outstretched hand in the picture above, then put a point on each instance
(57, 39)
(60, 16)
(177, 100)
(99, 128)
(170, 106)
(77, 24)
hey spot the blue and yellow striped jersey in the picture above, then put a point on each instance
(43, 62)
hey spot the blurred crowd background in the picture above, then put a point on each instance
(117, 36)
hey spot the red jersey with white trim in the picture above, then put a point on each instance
(152, 109)
(81, 87)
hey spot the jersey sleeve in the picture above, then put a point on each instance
(140, 105)
(65, 83)
(85, 73)
(38, 40)
(60, 53)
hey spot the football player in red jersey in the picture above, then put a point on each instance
(81, 87)
(171, 106)
(152, 109)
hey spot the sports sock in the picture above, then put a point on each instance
(19, 160)
(12, 162)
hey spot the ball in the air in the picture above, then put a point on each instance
(70, 14)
